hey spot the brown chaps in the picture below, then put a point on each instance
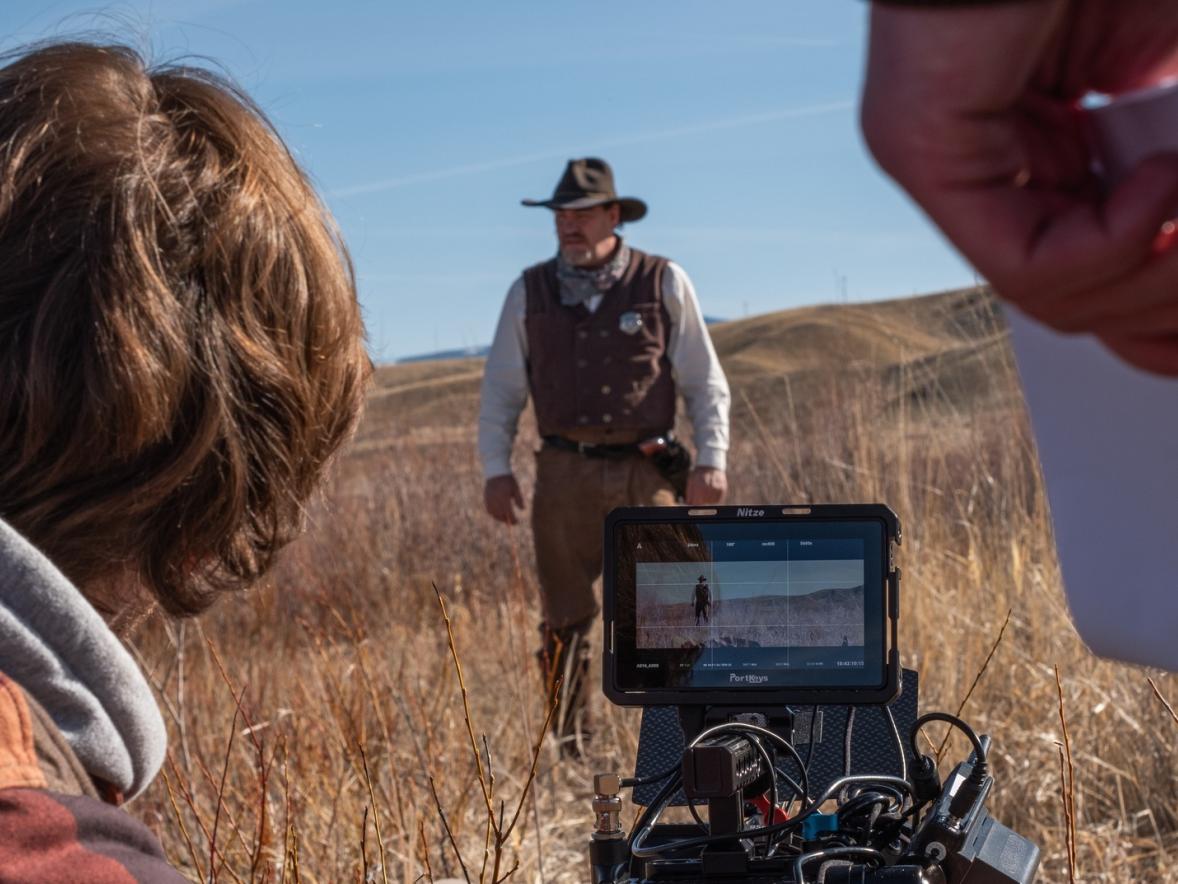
(572, 497)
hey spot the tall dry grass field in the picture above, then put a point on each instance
(318, 727)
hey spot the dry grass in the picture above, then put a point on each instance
(319, 732)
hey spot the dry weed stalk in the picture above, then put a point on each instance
(1067, 783)
(499, 833)
(766, 440)
(179, 817)
(976, 680)
(429, 871)
(384, 861)
(1163, 700)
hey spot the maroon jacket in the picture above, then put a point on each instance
(56, 823)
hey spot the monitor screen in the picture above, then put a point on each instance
(716, 604)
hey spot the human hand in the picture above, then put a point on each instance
(501, 497)
(705, 486)
(974, 112)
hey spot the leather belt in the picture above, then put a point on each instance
(645, 448)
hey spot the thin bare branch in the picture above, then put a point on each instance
(1158, 694)
(474, 746)
(384, 862)
(429, 871)
(446, 825)
(977, 679)
(1070, 786)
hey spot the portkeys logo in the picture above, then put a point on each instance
(748, 678)
(746, 511)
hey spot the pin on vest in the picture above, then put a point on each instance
(630, 322)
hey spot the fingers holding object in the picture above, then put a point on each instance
(1078, 265)
(1096, 241)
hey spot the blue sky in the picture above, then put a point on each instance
(425, 123)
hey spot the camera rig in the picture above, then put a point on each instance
(900, 824)
(798, 740)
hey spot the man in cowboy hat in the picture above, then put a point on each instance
(603, 337)
(703, 599)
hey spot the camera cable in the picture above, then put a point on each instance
(899, 742)
(768, 734)
(639, 849)
(631, 782)
(978, 748)
(834, 853)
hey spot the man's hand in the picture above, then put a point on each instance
(502, 498)
(974, 112)
(706, 486)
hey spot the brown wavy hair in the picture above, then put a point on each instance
(181, 349)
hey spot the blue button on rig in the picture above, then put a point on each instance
(819, 823)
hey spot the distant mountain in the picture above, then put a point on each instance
(460, 353)
(474, 352)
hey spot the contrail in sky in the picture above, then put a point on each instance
(640, 138)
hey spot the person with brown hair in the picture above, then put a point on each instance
(181, 354)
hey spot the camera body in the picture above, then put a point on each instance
(748, 632)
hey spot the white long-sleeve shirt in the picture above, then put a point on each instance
(694, 365)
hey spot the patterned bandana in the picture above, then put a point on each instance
(579, 284)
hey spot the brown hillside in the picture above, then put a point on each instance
(944, 343)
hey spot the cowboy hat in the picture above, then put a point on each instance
(590, 182)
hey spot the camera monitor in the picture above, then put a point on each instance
(751, 606)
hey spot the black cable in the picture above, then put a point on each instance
(639, 850)
(650, 813)
(771, 769)
(899, 742)
(859, 818)
(834, 853)
(863, 801)
(897, 825)
(764, 732)
(978, 748)
(631, 782)
(809, 754)
(896, 794)
(793, 784)
(805, 784)
(797, 793)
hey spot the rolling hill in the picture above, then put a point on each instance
(933, 350)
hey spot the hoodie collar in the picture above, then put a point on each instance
(58, 649)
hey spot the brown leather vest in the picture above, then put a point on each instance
(604, 372)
